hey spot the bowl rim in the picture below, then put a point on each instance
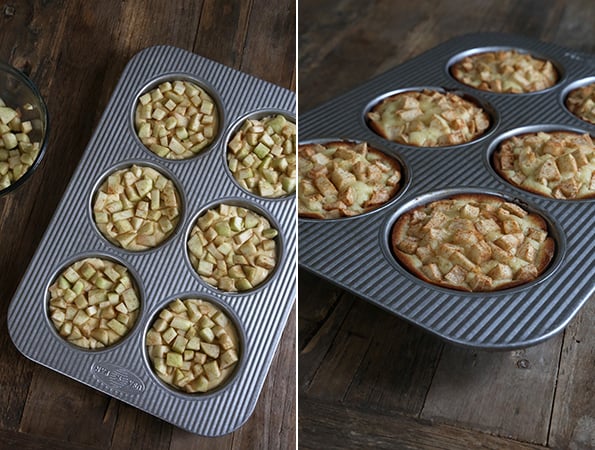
(44, 116)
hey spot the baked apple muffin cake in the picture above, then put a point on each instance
(473, 242)
(344, 179)
(558, 164)
(428, 119)
(581, 102)
(505, 71)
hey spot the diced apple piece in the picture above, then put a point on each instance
(200, 384)
(212, 370)
(181, 324)
(153, 338)
(173, 359)
(211, 350)
(228, 358)
(179, 344)
(206, 334)
(193, 343)
(117, 327)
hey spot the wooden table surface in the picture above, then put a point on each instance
(370, 380)
(75, 51)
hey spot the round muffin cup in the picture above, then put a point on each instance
(279, 245)
(171, 77)
(571, 87)
(243, 349)
(135, 283)
(491, 112)
(16, 89)
(260, 114)
(553, 229)
(140, 163)
(403, 184)
(476, 51)
(495, 145)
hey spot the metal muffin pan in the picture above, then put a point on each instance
(355, 253)
(164, 273)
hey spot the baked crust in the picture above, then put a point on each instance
(473, 242)
(581, 102)
(344, 179)
(558, 164)
(505, 71)
(428, 119)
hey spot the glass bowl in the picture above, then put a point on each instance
(19, 93)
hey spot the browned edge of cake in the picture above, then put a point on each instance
(392, 161)
(398, 230)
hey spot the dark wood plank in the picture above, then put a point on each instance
(573, 417)
(505, 393)
(269, 51)
(312, 311)
(24, 441)
(317, 346)
(331, 426)
(374, 361)
(136, 430)
(225, 46)
(399, 364)
(62, 409)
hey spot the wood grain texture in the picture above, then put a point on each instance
(369, 380)
(331, 426)
(573, 417)
(75, 51)
(512, 392)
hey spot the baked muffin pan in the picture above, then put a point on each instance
(163, 273)
(355, 253)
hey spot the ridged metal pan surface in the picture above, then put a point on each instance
(355, 253)
(164, 273)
